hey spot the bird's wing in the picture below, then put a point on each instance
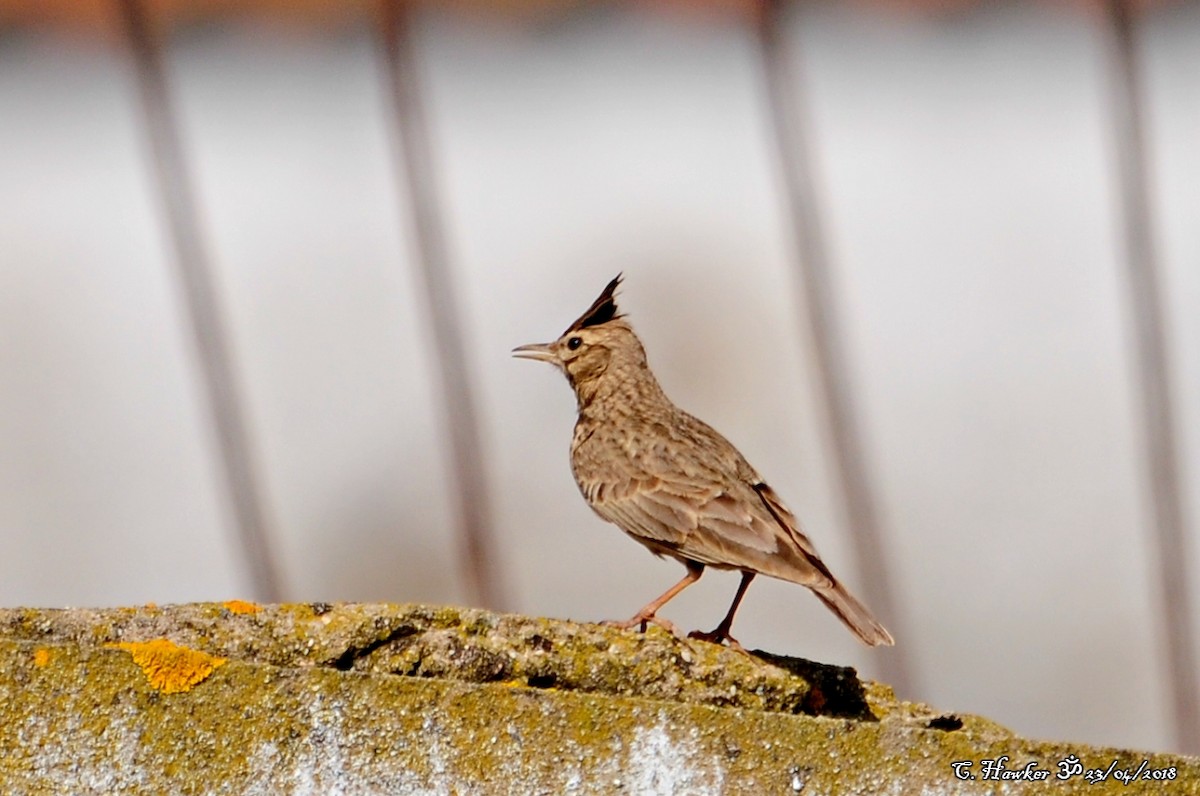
(686, 491)
(646, 507)
(700, 519)
(801, 553)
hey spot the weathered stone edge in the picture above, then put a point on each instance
(85, 720)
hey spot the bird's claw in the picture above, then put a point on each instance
(641, 621)
(718, 636)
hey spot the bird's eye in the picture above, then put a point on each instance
(574, 343)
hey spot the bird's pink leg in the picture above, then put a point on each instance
(722, 631)
(648, 612)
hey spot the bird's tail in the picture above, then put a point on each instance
(854, 614)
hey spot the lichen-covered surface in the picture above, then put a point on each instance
(382, 699)
(464, 644)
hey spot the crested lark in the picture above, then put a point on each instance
(672, 482)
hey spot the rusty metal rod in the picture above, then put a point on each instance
(823, 330)
(195, 280)
(1149, 329)
(416, 179)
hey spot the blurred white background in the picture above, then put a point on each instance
(965, 169)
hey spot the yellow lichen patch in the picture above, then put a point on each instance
(169, 667)
(41, 657)
(241, 607)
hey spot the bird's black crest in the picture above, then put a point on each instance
(603, 309)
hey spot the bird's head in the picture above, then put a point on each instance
(599, 343)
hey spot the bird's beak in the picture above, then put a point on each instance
(543, 352)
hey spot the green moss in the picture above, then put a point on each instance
(281, 716)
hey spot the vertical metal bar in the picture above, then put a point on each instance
(416, 179)
(196, 282)
(823, 330)
(1149, 327)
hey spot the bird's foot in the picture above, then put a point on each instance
(640, 621)
(718, 636)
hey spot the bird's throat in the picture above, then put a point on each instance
(617, 393)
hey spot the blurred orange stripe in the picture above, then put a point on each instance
(96, 17)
